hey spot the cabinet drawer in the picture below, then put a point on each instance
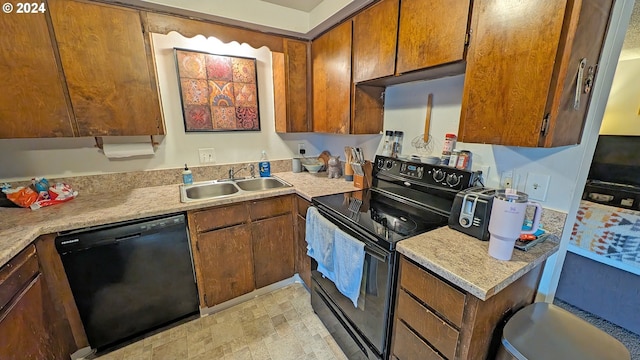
(439, 334)
(261, 209)
(303, 205)
(216, 218)
(17, 273)
(440, 296)
(407, 346)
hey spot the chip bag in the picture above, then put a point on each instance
(21, 196)
(57, 194)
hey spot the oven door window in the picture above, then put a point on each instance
(370, 317)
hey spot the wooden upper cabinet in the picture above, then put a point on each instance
(339, 105)
(375, 31)
(109, 70)
(431, 33)
(331, 62)
(521, 72)
(292, 87)
(566, 116)
(33, 102)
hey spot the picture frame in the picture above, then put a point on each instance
(217, 92)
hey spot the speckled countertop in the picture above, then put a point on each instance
(19, 227)
(459, 258)
(465, 260)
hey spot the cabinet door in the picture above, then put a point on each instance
(225, 264)
(566, 117)
(292, 87)
(273, 250)
(27, 326)
(33, 102)
(375, 32)
(331, 61)
(431, 33)
(106, 61)
(510, 63)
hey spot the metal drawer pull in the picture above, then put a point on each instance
(576, 100)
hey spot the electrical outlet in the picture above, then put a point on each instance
(207, 156)
(506, 179)
(537, 186)
(301, 149)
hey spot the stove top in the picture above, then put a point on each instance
(388, 219)
(407, 199)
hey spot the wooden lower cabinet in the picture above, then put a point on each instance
(241, 247)
(273, 258)
(30, 325)
(303, 261)
(436, 320)
(226, 267)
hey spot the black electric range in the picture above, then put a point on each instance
(406, 199)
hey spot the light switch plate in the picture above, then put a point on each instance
(537, 186)
(207, 156)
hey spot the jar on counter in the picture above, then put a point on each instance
(449, 145)
(464, 160)
(453, 160)
(387, 148)
(397, 143)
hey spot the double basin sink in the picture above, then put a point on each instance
(215, 189)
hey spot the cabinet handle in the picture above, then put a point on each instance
(576, 100)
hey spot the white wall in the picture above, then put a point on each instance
(621, 115)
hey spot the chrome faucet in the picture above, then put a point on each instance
(252, 171)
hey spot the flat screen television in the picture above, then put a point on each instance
(616, 160)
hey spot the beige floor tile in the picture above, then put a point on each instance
(280, 325)
(172, 350)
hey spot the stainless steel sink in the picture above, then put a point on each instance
(258, 184)
(225, 188)
(207, 190)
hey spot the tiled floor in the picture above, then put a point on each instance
(279, 326)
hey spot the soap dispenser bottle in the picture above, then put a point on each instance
(264, 165)
(187, 176)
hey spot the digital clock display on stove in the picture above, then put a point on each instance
(411, 170)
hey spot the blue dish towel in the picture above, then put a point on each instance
(320, 234)
(348, 265)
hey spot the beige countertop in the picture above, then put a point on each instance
(19, 227)
(465, 261)
(459, 258)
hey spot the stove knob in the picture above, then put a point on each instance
(438, 175)
(389, 164)
(453, 180)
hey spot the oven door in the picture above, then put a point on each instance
(370, 319)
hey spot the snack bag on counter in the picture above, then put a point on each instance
(21, 196)
(57, 194)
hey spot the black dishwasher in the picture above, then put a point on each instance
(130, 277)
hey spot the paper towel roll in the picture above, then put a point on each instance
(119, 151)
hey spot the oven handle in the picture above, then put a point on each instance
(368, 248)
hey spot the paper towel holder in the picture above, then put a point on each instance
(100, 143)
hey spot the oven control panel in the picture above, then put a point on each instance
(433, 175)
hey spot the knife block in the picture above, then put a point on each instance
(363, 181)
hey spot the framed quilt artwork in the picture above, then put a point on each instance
(218, 92)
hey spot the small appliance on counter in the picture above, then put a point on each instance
(471, 211)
